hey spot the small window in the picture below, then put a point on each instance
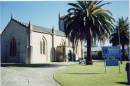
(42, 47)
(43, 42)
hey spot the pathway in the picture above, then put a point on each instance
(36, 75)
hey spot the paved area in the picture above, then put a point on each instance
(30, 75)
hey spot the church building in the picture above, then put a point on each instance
(27, 43)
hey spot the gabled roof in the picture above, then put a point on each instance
(16, 21)
(21, 23)
(39, 28)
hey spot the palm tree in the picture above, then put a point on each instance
(121, 35)
(87, 20)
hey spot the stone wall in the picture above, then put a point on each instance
(19, 32)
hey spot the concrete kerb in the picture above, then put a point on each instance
(57, 81)
(60, 69)
(57, 70)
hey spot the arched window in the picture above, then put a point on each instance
(43, 50)
(42, 46)
(13, 47)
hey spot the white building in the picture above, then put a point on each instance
(27, 43)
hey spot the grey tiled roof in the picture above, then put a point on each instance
(47, 30)
(41, 29)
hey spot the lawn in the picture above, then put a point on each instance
(91, 75)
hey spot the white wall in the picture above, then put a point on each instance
(36, 56)
(58, 40)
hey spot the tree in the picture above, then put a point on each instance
(121, 35)
(87, 20)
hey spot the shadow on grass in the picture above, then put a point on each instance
(84, 73)
(123, 83)
(32, 65)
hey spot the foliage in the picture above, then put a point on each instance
(96, 55)
(120, 31)
(121, 35)
(87, 20)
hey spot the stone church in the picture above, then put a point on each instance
(27, 43)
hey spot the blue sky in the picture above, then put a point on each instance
(45, 13)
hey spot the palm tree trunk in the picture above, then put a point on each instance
(73, 51)
(123, 53)
(89, 55)
(89, 44)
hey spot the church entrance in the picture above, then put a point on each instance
(60, 54)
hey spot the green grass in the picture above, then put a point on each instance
(91, 75)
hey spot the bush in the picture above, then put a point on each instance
(96, 55)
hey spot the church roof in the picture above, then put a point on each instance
(47, 30)
(40, 28)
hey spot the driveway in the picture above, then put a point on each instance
(30, 75)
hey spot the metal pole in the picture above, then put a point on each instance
(119, 68)
(104, 58)
(105, 65)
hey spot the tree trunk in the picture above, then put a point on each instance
(123, 53)
(73, 45)
(89, 41)
(89, 56)
(89, 44)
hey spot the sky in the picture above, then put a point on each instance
(45, 13)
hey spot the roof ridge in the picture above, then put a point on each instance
(20, 23)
